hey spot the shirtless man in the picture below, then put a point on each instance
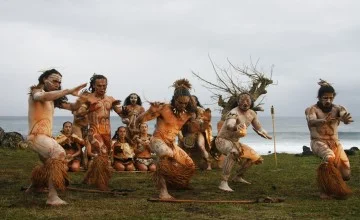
(202, 140)
(175, 167)
(43, 97)
(131, 110)
(323, 120)
(227, 141)
(97, 108)
(72, 146)
(143, 159)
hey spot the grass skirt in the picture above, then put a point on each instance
(99, 172)
(53, 169)
(176, 175)
(330, 181)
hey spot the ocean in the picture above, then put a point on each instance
(291, 133)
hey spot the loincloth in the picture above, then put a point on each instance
(42, 126)
(321, 148)
(177, 171)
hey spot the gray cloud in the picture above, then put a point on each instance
(144, 46)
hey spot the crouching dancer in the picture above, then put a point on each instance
(42, 99)
(227, 141)
(175, 167)
(323, 121)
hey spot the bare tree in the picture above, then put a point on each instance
(233, 80)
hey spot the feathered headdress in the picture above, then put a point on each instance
(182, 87)
(182, 83)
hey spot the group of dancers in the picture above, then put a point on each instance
(172, 167)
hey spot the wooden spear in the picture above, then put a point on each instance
(259, 200)
(274, 136)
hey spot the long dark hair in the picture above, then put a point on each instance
(58, 102)
(197, 101)
(326, 89)
(93, 80)
(46, 74)
(116, 135)
(127, 100)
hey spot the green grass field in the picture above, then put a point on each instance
(294, 180)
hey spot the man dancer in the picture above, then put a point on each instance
(43, 97)
(175, 167)
(227, 141)
(98, 107)
(323, 120)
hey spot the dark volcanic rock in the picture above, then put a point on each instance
(11, 140)
(306, 152)
(351, 151)
(354, 149)
(2, 133)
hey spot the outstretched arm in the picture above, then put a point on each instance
(72, 106)
(152, 113)
(258, 128)
(40, 95)
(116, 105)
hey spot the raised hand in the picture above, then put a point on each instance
(346, 118)
(207, 115)
(154, 106)
(75, 91)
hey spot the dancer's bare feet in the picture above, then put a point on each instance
(239, 179)
(325, 196)
(208, 166)
(55, 201)
(165, 195)
(225, 187)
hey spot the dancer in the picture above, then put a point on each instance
(43, 97)
(98, 107)
(175, 167)
(323, 121)
(227, 141)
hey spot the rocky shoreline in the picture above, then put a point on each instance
(12, 140)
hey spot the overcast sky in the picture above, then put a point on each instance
(144, 46)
